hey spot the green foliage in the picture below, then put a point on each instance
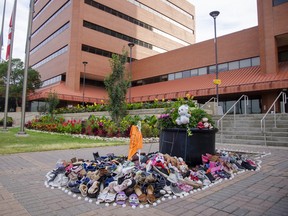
(17, 79)
(9, 121)
(71, 127)
(52, 101)
(106, 127)
(168, 118)
(116, 86)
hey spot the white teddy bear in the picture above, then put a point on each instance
(184, 115)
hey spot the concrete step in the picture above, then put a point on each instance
(253, 133)
(252, 142)
(240, 137)
(246, 129)
(251, 137)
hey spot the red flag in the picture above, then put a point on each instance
(9, 37)
(11, 31)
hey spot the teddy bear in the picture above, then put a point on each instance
(184, 115)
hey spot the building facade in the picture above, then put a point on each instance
(252, 62)
(66, 33)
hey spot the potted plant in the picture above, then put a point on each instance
(187, 132)
(9, 122)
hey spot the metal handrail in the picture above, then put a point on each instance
(262, 122)
(233, 106)
(214, 100)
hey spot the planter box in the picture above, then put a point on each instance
(176, 142)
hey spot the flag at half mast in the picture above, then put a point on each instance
(11, 31)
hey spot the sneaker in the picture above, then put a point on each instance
(59, 181)
(177, 190)
(247, 165)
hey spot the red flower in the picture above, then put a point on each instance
(200, 125)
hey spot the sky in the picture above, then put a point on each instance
(235, 15)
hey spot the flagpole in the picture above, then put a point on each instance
(9, 65)
(27, 55)
(2, 27)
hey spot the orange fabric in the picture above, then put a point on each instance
(136, 141)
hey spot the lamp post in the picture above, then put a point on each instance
(214, 14)
(130, 64)
(84, 63)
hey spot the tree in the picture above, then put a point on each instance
(17, 78)
(116, 86)
(52, 101)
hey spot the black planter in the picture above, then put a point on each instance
(176, 142)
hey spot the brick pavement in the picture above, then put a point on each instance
(22, 189)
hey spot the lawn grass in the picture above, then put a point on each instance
(11, 142)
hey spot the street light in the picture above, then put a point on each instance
(84, 63)
(130, 45)
(214, 14)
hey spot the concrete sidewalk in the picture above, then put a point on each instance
(22, 189)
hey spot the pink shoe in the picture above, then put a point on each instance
(205, 159)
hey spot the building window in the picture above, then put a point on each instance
(51, 37)
(202, 71)
(223, 67)
(178, 75)
(119, 35)
(171, 77)
(245, 63)
(50, 19)
(194, 72)
(50, 57)
(255, 61)
(186, 74)
(164, 78)
(278, 2)
(212, 69)
(233, 65)
(283, 56)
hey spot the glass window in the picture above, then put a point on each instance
(186, 74)
(212, 69)
(223, 67)
(171, 77)
(245, 63)
(163, 78)
(283, 56)
(233, 65)
(278, 2)
(194, 72)
(255, 61)
(255, 103)
(202, 71)
(178, 75)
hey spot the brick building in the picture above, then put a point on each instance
(253, 61)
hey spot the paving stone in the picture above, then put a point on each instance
(251, 193)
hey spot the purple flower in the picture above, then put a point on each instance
(162, 116)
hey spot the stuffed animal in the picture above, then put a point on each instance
(182, 166)
(184, 115)
(157, 160)
(204, 124)
(171, 160)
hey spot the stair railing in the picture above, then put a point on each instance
(263, 125)
(215, 104)
(220, 122)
